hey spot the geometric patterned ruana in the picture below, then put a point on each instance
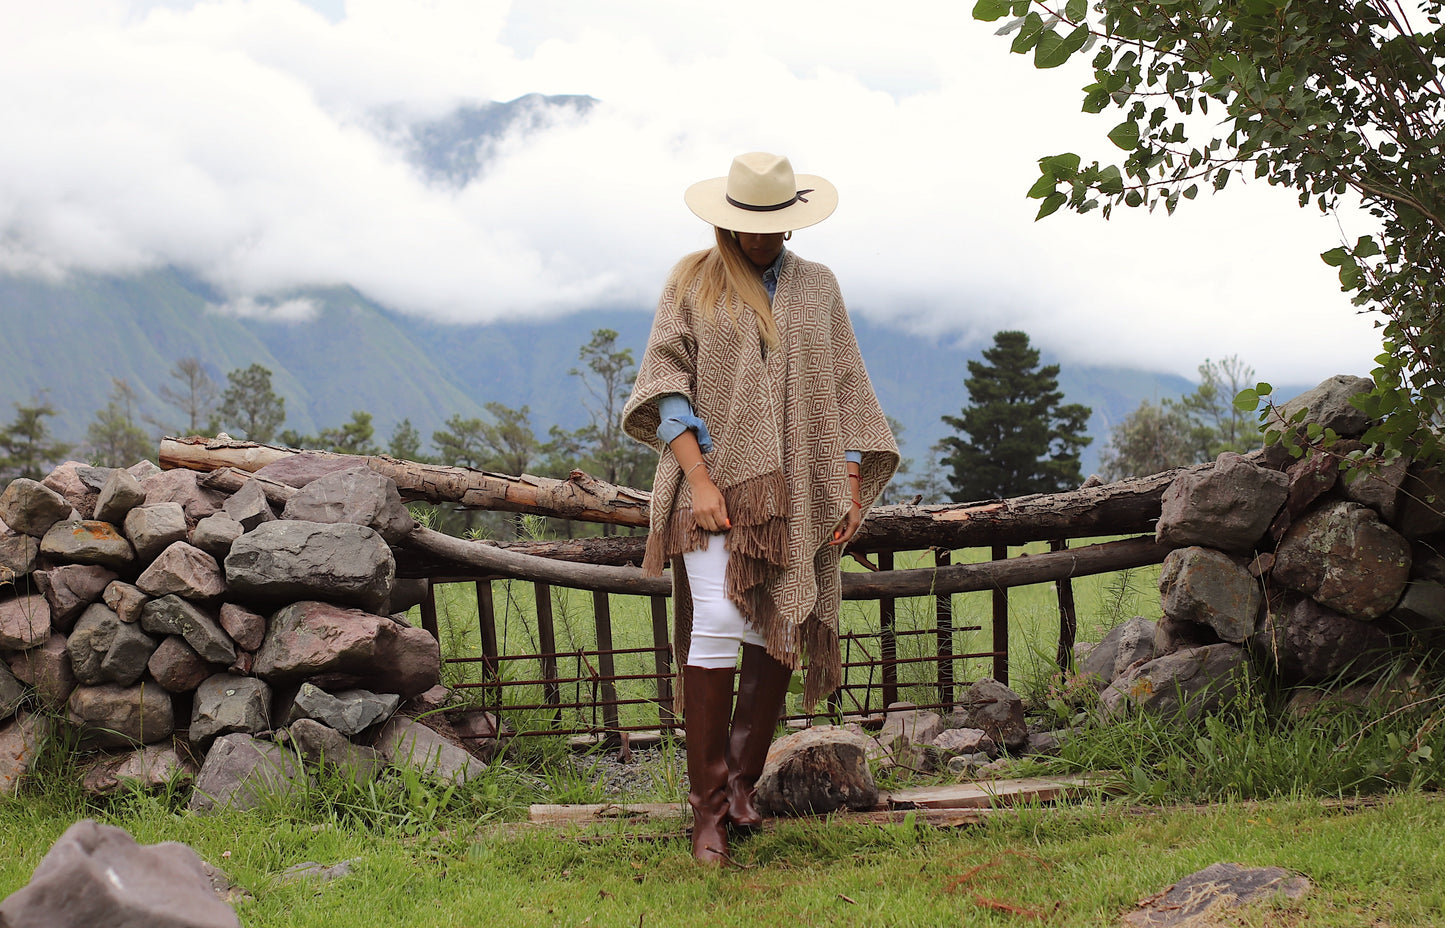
(780, 425)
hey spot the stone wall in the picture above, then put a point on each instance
(175, 631)
(1284, 567)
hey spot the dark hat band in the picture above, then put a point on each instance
(797, 198)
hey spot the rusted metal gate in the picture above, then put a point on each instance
(544, 690)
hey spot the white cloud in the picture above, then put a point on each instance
(236, 139)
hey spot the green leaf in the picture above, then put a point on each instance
(1111, 181)
(1350, 275)
(1133, 198)
(1074, 10)
(1042, 187)
(1334, 257)
(1246, 400)
(1050, 52)
(1263, 389)
(1062, 166)
(1191, 192)
(1366, 247)
(1050, 205)
(1125, 135)
(990, 10)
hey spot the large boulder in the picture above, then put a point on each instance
(31, 508)
(184, 570)
(177, 667)
(182, 486)
(216, 533)
(24, 622)
(358, 495)
(817, 771)
(69, 589)
(1192, 682)
(21, 740)
(1122, 646)
(120, 493)
(1229, 506)
(1307, 642)
(97, 875)
(18, 555)
(227, 704)
(246, 628)
(241, 772)
(103, 649)
(65, 480)
(1375, 482)
(348, 646)
(405, 742)
(88, 542)
(172, 615)
(906, 731)
(329, 749)
(127, 600)
(1210, 588)
(12, 693)
(152, 529)
(249, 507)
(111, 716)
(1345, 558)
(286, 561)
(153, 767)
(998, 710)
(47, 669)
(1423, 510)
(350, 711)
(1329, 405)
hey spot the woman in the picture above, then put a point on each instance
(772, 447)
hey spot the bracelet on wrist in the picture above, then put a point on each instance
(688, 473)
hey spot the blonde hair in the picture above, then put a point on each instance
(723, 273)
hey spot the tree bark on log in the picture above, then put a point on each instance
(580, 496)
(455, 557)
(1125, 507)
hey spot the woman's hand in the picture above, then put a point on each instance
(708, 508)
(848, 526)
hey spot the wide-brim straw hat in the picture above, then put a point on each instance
(761, 194)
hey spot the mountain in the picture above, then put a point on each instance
(69, 339)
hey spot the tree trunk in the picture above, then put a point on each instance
(580, 496)
(1125, 507)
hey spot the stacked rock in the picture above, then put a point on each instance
(165, 621)
(1284, 567)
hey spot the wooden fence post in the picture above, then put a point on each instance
(602, 612)
(487, 626)
(1068, 615)
(662, 662)
(943, 611)
(888, 638)
(1000, 623)
(547, 638)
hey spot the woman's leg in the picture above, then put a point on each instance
(707, 693)
(718, 629)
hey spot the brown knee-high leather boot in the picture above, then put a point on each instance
(762, 689)
(707, 703)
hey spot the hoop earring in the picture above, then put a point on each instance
(788, 235)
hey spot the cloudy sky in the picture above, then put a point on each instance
(238, 139)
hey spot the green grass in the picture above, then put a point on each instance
(1372, 864)
(1102, 601)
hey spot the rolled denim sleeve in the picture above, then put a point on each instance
(677, 417)
(853, 457)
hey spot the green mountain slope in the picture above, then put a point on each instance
(67, 339)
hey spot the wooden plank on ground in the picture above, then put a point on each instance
(544, 814)
(984, 794)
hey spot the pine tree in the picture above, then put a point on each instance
(25, 446)
(1017, 435)
(114, 438)
(251, 405)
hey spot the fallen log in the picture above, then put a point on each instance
(458, 558)
(1125, 507)
(580, 496)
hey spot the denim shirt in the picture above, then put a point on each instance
(677, 413)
